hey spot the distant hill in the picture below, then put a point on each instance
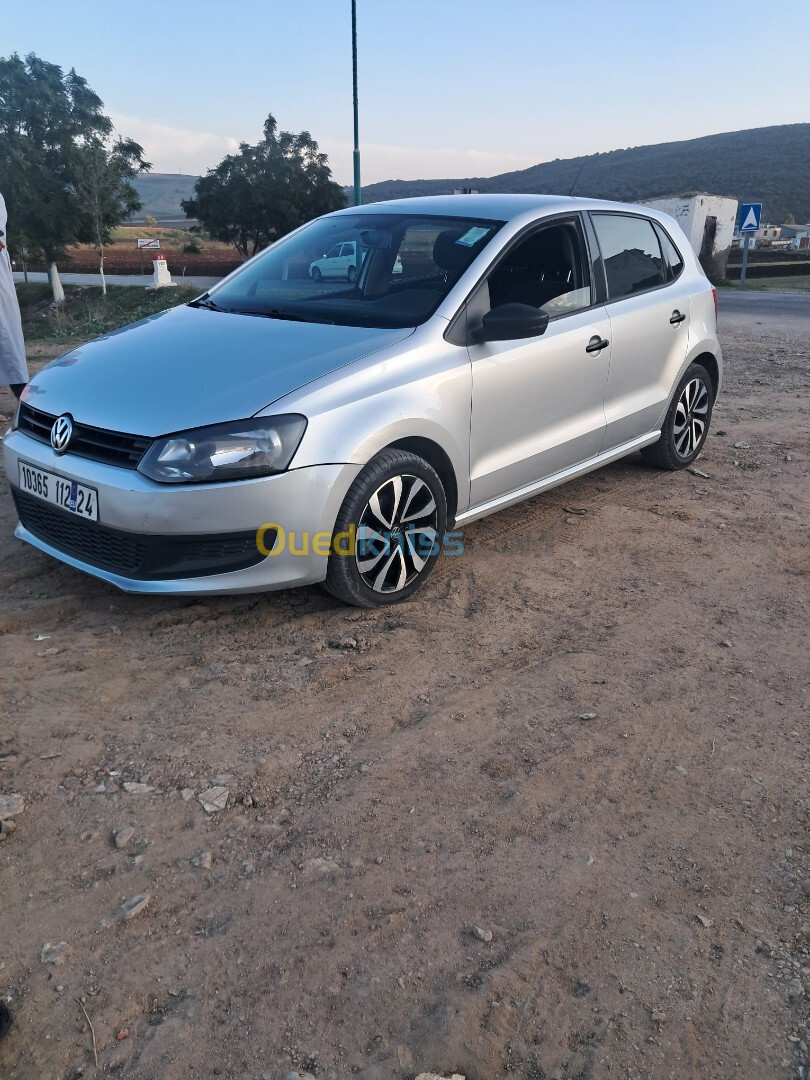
(161, 193)
(769, 165)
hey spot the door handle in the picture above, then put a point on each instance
(676, 317)
(596, 344)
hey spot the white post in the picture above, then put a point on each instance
(161, 278)
(56, 284)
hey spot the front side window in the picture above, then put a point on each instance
(406, 264)
(546, 270)
(630, 253)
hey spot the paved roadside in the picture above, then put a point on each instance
(775, 310)
(118, 279)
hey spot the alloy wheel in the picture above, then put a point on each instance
(690, 418)
(396, 534)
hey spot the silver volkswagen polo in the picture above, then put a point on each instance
(280, 430)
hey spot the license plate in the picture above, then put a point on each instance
(56, 490)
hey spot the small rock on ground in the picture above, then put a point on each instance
(215, 798)
(135, 906)
(203, 860)
(436, 1076)
(53, 954)
(320, 866)
(134, 788)
(123, 837)
(11, 805)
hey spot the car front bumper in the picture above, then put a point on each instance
(171, 523)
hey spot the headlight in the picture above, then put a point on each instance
(234, 451)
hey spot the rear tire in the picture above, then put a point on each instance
(686, 424)
(352, 274)
(396, 510)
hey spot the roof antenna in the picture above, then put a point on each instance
(582, 166)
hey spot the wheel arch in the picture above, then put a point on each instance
(708, 361)
(438, 459)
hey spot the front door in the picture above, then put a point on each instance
(538, 403)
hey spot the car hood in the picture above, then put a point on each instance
(187, 367)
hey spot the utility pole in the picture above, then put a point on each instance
(357, 196)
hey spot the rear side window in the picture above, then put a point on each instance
(672, 256)
(631, 254)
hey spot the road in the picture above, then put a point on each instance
(118, 279)
(774, 309)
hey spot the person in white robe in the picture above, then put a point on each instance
(13, 369)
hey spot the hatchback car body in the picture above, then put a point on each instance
(277, 432)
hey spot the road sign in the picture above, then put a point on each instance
(750, 216)
(148, 243)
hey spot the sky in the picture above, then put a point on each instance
(447, 88)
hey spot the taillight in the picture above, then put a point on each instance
(714, 297)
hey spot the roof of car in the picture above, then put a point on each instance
(492, 207)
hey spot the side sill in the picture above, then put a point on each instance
(556, 479)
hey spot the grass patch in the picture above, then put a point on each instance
(800, 282)
(86, 314)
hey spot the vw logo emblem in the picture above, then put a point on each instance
(61, 433)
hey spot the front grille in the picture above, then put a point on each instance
(110, 549)
(97, 444)
(132, 555)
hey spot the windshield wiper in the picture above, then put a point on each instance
(206, 302)
(281, 314)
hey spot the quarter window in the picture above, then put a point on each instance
(631, 254)
(671, 254)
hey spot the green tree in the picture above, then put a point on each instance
(262, 192)
(149, 221)
(48, 121)
(789, 219)
(105, 197)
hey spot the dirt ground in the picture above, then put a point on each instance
(587, 737)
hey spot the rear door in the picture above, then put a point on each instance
(648, 308)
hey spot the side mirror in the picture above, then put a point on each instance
(510, 322)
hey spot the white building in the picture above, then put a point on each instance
(708, 221)
(797, 235)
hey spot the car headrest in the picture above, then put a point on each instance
(450, 255)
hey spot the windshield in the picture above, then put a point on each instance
(376, 270)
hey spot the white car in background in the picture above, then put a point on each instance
(341, 262)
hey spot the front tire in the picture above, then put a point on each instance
(395, 515)
(686, 424)
(316, 274)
